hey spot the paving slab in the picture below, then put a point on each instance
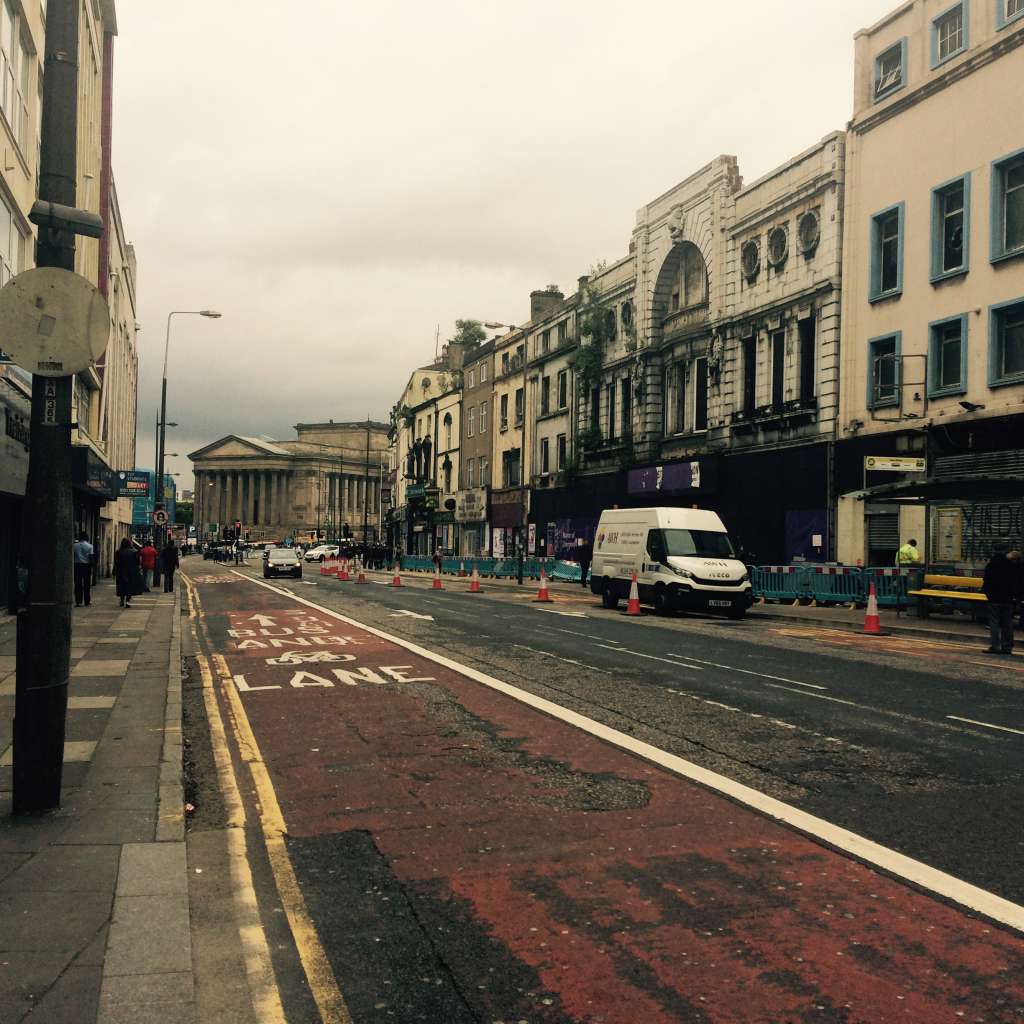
(116, 825)
(152, 869)
(137, 947)
(49, 922)
(25, 978)
(100, 667)
(66, 869)
(86, 703)
(74, 999)
(74, 750)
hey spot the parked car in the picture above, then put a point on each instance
(683, 559)
(322, 551)
(281, 562)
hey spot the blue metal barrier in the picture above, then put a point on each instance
(835, 584)
(779, 582)
(890, 586)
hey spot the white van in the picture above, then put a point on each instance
(682, 557)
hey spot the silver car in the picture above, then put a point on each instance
(281, 562)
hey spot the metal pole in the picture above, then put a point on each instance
(366, 486)
(44, 629)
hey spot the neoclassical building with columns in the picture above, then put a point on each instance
(325, 483)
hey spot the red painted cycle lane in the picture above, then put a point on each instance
(629, 891)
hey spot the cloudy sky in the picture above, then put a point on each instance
(338, 179)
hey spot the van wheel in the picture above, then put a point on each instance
(662, 605)
(608, 598)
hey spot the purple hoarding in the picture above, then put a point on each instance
(675, 476)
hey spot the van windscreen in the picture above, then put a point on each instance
(702, 543)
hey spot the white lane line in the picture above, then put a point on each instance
(555, 611)
(939, 882)
(749, 672)
(651, 657)
(569, 661)
(821, 696)
(589, 636)
(986, 725)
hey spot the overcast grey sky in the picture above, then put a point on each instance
(338, 179)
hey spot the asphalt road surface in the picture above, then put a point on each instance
(466, 848)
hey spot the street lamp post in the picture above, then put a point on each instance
(159, 531)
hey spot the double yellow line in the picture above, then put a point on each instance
(319, 974)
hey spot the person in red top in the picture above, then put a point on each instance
(147, 559)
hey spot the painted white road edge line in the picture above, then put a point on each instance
(749, 672)
(970, 896)
(986, 725)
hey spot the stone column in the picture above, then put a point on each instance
(278, 520)
(197, 504)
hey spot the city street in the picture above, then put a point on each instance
(477, 807)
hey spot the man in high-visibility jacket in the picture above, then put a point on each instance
(908, 555)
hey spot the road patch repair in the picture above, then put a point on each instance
(466, 856)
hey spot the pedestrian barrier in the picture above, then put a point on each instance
(891, 586)
(780, 582)
(835, 584)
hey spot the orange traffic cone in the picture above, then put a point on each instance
(474, 583)
(361, 576)
(542, 595)
(396, 580)
(633, 604)
(872, 624)
(437, 579)
(462, 568)
(343, 571)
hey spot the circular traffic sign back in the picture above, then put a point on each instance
(56, 323)
(160, 517)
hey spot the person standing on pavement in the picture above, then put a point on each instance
(908, 556)
(169, 561)
(83, 555)
(127, 572)
(147, 559)
(1002, 588)
(583, 556)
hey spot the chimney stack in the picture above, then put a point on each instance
(545, 301)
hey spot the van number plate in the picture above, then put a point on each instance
(720, 604)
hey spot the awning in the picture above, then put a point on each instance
(967, 488)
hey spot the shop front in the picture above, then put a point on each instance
(93, 484)
(471, 515)
(14, 446)
(507, 523)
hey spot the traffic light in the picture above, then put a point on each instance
(229, 533)
(238, 528)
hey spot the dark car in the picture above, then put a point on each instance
(281, 562)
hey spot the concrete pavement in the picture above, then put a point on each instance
(93, 896)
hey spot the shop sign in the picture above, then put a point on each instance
(673, 476)
(14, 443)
(133, 483)
(471, 505)
(893, 464)
(415, 490)
(431, 495)
(90, 473)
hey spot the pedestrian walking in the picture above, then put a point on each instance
(1002, 588)
(584, 554)
(83, 553)
(169, 561)
(147, 559)
(127, 572)
(908, 556)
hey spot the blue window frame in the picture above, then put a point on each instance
(951, 228)
(950, 32)
(891, 70)
(887, 234)
(1006, 343)
(1008, 11)
(1007, 198)
(947, 356)
(884, 370)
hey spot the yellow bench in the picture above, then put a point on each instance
(948, 588)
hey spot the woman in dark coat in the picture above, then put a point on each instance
(127, 572)
(169, 561)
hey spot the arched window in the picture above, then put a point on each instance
(448, 431)
(690, 287)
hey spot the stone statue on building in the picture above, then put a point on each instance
(417, 448)
(410, 463)
(426, 458)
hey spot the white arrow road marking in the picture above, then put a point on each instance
(262, 620)
(411, 615)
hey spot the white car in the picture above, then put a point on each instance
(282, 562)
(322, 551)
